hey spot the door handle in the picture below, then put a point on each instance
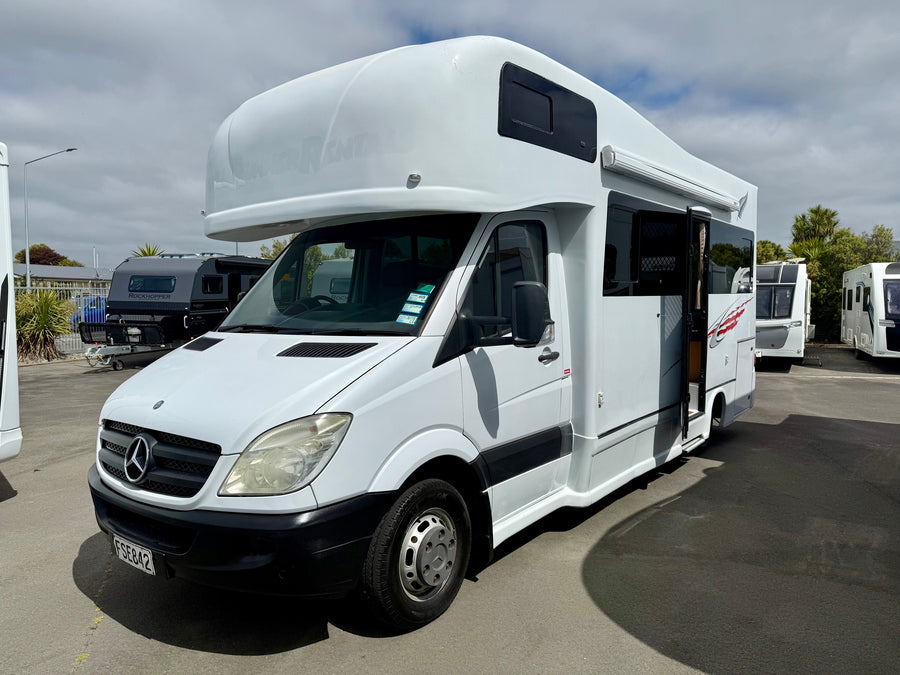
(548, 357)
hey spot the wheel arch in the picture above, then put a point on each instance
(718, 407)
(448, 455)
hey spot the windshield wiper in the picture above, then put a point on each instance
(251, 328)
(357, 331)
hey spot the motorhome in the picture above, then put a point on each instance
(531, 322)
(783, 293)
(870, 309)
(158, 303)
(10, 431)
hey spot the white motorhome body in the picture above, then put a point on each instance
(531, 322)
(783, 293)
(10, 431)
(870, 309)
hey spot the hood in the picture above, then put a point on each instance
(229, 388)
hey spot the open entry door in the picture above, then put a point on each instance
(10, 432)
(695, 313)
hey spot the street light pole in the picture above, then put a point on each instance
(25, 190)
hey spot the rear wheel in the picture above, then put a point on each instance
(418, 555)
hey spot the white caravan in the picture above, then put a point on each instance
(783, 309)
(10, 431)
(870, 309)
(531, 322)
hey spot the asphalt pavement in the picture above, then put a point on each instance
(775, 548)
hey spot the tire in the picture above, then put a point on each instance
(418, 556)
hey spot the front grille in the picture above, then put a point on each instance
(180, 465)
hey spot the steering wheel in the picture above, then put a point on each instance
(326, 298)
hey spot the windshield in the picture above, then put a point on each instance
(774, 301)
(892, 300)
(371, 278)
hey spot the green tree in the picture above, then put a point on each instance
(148, 250)
(311, 262)
(767, 251)
(278, 245)
(879, 245)
(817, 223)
(41, 254)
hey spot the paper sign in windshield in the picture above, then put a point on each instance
(413, 308)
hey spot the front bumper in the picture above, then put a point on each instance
(317, 553)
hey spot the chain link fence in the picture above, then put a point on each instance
(87, 302)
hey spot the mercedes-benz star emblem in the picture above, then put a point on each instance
(137, 459)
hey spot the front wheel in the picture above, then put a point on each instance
(418, 555)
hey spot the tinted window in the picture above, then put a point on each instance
(535, 110)
(516, 252)
(731, 259)
(783, 297)
(644, 252)
(789, 274)
(866, 295)
(849, 298)
(767, 274)
(151, 284)
(764, 301)
(212, 285)
(375, 277)
(774, 301)
(892, 299)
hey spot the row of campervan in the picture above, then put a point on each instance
(870, 309)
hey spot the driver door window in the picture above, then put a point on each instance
(516, 252)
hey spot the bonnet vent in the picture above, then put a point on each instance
(202, 344)
(326, 350)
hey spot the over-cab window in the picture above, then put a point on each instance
(516, 251)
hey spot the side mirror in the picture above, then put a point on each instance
(530, 313)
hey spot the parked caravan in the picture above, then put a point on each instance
(531, 322)
(783, 310)
(157, 303)
(870, 309)
(10, 431)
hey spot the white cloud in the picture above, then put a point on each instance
(799, 97)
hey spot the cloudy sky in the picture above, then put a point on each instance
(801, 98)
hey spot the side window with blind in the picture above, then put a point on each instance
(517, 251)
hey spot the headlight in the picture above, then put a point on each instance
(286, 458)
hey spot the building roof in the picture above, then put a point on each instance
(63, 273)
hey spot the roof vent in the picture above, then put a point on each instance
(326, 350)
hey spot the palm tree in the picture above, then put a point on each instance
(147, 250)
(812, 250)
(818, 222)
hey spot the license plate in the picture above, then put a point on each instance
(134, 555)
